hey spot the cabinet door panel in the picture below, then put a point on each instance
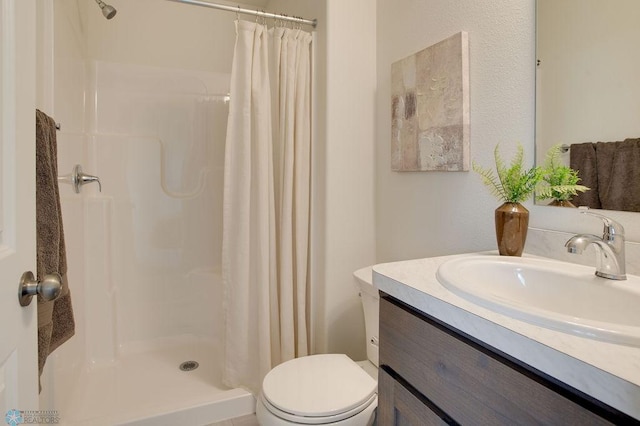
(472, 385)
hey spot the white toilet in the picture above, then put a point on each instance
(328, 389)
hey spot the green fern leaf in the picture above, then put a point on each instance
(512, 184)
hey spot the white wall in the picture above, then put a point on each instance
(163, 34)
(427, 214)
(434, 213)
(349, 227)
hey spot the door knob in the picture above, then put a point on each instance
(49, 288)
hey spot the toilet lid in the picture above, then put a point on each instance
(318, 386)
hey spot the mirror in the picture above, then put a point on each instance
(587, 84)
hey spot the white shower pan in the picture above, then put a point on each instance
(145, 386)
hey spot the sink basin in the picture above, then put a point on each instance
(552, 294)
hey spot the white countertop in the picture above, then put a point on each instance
(605, 371)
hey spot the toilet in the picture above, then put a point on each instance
(327, 389)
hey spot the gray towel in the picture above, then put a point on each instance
(582, 157)
(55, 318)
(619, 175)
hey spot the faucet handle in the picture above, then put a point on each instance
(611, 227)
(77, 178)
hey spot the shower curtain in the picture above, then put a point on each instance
(266, 203)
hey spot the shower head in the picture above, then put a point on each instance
(107, 10)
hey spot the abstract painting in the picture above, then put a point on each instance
(430, 108)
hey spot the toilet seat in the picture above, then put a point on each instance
(318, 389)
(316, 420)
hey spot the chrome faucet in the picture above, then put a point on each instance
(610, 261)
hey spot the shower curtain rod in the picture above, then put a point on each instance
(238, 9)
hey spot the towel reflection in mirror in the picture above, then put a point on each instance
(596, 163)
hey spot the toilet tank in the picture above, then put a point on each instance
(370, 304)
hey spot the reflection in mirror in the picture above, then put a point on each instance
(588, 95)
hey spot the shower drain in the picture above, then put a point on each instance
(189, 365)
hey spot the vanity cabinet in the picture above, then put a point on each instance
(432, 374)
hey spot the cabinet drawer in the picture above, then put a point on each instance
(398, 405)
(467, 381)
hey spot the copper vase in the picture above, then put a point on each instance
(512, 221)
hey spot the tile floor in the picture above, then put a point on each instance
(249, 420)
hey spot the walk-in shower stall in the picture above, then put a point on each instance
(142, 103)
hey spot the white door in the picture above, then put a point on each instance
(18, 325)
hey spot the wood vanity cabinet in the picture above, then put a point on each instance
(432, 374)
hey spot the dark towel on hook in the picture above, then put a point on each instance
(619, 175)
(582, 157)
(55, 318)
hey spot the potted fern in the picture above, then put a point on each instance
(559, 182)
(512, 184)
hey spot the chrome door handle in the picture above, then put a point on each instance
(77, 178)
(49, 288)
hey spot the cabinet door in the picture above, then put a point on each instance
(399, 406)
(473, 384)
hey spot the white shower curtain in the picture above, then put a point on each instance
(266, 203)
